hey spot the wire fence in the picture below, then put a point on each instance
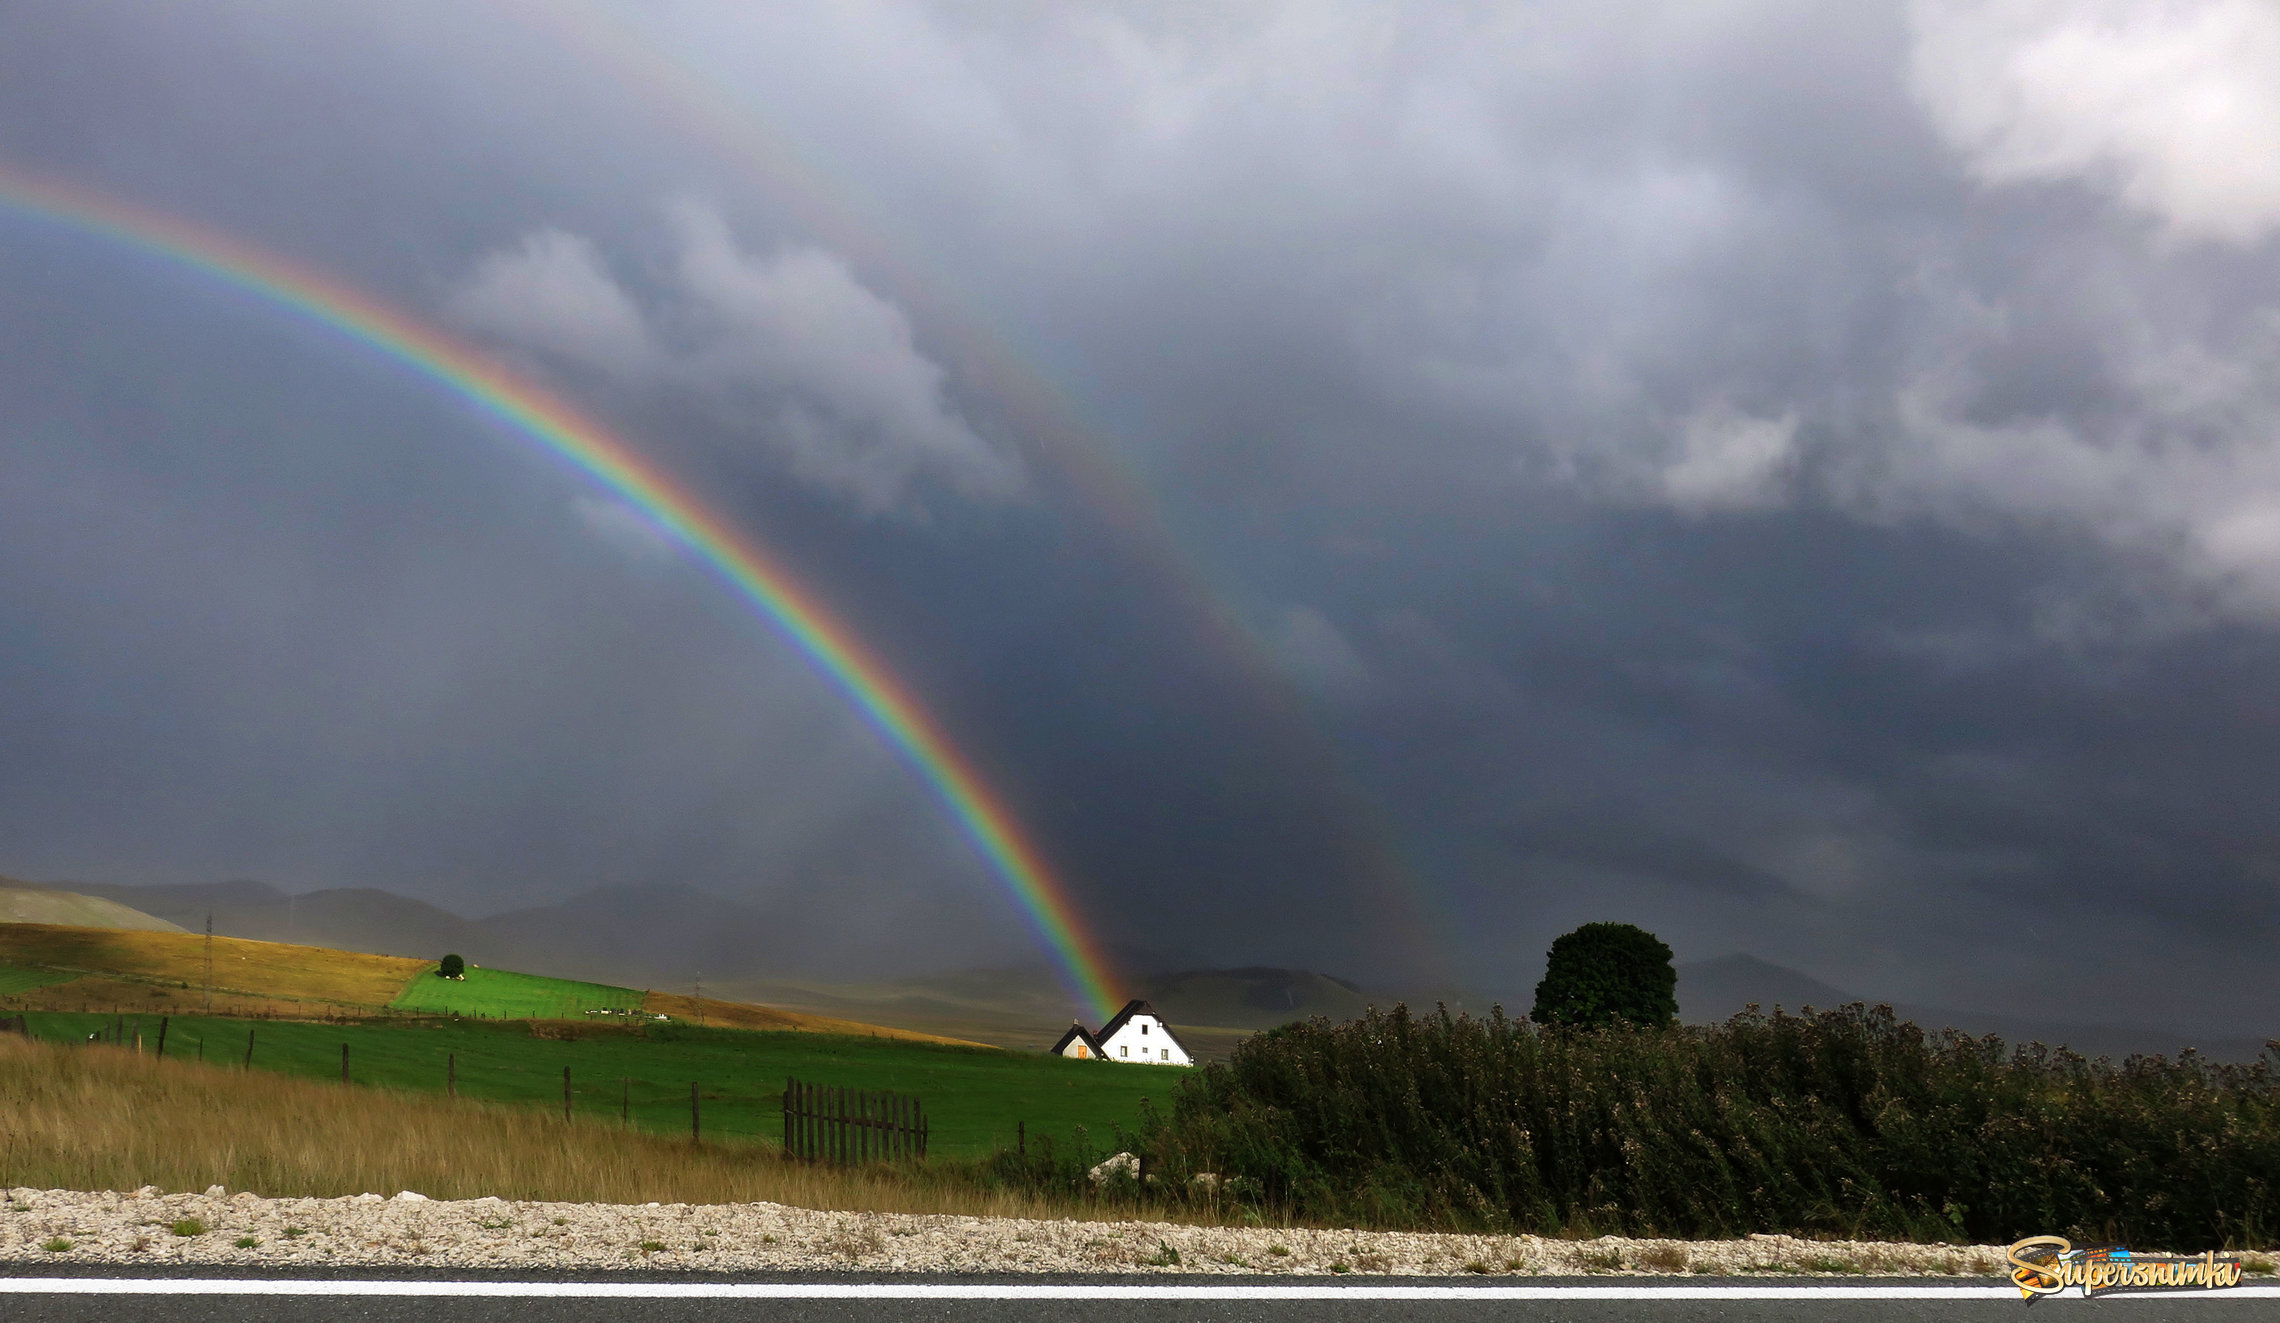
(816, 1122)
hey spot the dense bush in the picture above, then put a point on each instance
(1848, 1122)
(1605, 972)
(451, 966)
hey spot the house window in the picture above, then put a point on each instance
(1167, 1054)
(1143, 1026)
(1124, 1051)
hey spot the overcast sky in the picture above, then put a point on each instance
(1372, 485)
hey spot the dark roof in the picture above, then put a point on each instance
(1078, 1031)
(1139, 1007)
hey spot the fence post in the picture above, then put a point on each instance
(565, 1093)
(696, 1130)
(1021, 1137)
(451, 1075)
(344, 1063)
(249, 1049)
(161, 1036)
(625, 1100)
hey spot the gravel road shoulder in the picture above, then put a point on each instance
(148, 1227)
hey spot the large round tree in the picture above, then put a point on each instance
(1603, 973)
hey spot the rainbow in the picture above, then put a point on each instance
(1397, 898)
(749, 570)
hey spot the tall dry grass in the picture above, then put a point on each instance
(102, 1118)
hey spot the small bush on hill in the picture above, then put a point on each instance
(1605, 972)
(1849, 1122)
(451, 966)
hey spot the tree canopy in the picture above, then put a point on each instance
(451, 967)
(1605, 972)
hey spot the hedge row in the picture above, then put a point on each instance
(1849, 1122)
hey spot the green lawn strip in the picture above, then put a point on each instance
(500, 994)
(24, 978)
(973, 1096)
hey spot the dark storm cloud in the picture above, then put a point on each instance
(1799, 477)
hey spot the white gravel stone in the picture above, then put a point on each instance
(495, 1233)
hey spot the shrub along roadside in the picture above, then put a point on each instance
(1848, 1123)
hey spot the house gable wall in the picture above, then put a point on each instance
(1143, 1037)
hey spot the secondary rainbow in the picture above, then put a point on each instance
(734, 557)
(1406, 915)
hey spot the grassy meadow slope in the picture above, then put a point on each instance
(974, 1096)
(498, 994)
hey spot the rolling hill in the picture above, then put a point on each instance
(22, 902)
(138, 971)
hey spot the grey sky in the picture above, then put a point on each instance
(1799, 477)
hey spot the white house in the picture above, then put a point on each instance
(1136, 1035)
(1079, 1043)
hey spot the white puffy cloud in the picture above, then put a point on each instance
(1730, 460)
(2179, 466)
(2172, 104)
(552, 293)
(786, 348)
(854, 403)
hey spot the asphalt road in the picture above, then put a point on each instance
(342, 1297)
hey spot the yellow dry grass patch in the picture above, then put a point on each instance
(99, 994)
(95, 1118)
(745, 1015)
(314, 978)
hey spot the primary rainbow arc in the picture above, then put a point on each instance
(617, 467)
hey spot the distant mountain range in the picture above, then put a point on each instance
(660, 936)
(1713, 990)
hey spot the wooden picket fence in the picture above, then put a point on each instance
(828, 1123)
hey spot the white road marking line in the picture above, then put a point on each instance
(220, 1286)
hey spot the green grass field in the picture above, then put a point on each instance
(973, 1096)
(496, 994)
(24, 978)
